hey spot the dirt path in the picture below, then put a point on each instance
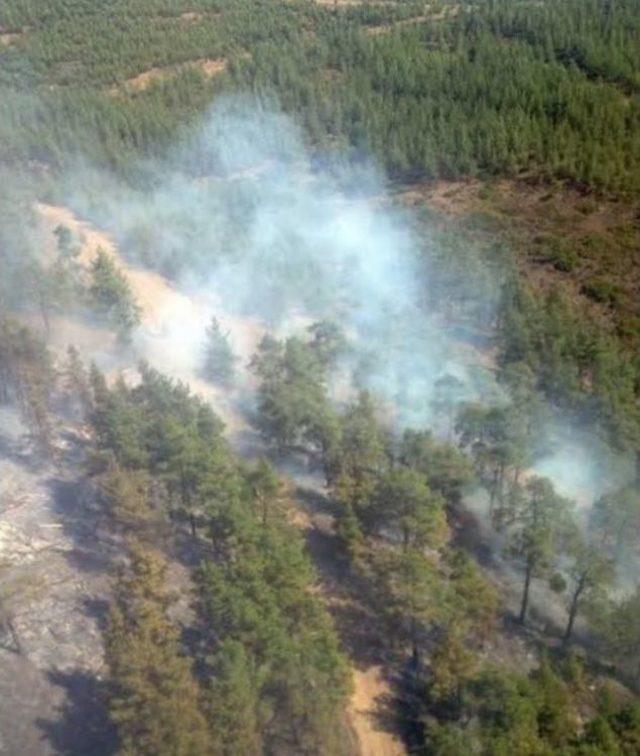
(369, 687)
(165, 338)
(371, 710)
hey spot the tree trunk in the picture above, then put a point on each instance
(573, 609)
(525, 595)
(44, 313)
(494, 490)
(415, 648)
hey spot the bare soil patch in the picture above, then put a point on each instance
(354, 3)
(9, 38)
(371, 708)
(209, 67)
(448, 12)
(370, 687)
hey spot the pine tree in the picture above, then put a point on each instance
(155, 700)
(219, 363)
(234, 702)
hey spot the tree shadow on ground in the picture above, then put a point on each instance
(349, 596)
(83, 727)
(351, 599)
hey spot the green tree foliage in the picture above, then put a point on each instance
(403, 502)
(490, 89)
(76, 382)
(500, 712)
(575, 360)
(260, 599)
(616, 521)
(219, 358)
(473, 600)
(293, 408)
(501, 440)
(591, 571)
(411, 594)
(27, 378)
(274, 677)
(536, 519)
(447, 470)
(234, 702)
(155, 701)
(127, 495)
(618, 623)
(359, 455)
(111, 295)
(267, 490)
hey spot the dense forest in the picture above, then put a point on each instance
(275, 522)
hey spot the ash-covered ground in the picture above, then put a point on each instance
(54, 551)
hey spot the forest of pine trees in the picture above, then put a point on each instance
(218, 636)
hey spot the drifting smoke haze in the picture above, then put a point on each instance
(240, 215)
(253, 229)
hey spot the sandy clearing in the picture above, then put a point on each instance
(171, 335)
(210, 67)
(354, 3)
(8, 38)
(370, 687)
(448, 11)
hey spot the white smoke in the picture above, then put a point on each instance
(254, 228)
(242, 214)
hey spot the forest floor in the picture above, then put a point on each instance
(372, 709)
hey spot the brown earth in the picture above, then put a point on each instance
(210, 67)
(8, 38)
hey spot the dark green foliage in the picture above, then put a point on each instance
(536, 519)
(219, 357)
(618, 624)
(403, 502)
(275, 679)
(493, 89)
(602, 290)
(448, 471)
(27, 377)
(500, 712)
(154, 699)
(111, 295)
(574, 360)
(561, 254)
(234, 702)
(293, 408)
(260, 599)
